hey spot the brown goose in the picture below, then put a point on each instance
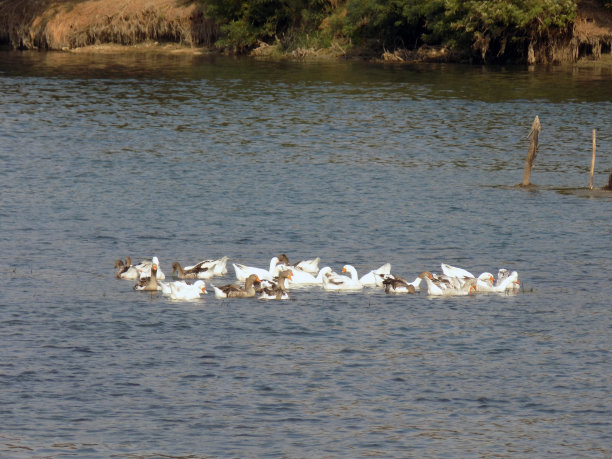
(194, 272)
(398, 285)
(277, 291)
(149, 284)
(236, 291)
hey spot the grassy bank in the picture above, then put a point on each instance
(391, 30)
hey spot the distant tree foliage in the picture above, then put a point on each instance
(246, 22)
(486, 30)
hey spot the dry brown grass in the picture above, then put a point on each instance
(29, 24)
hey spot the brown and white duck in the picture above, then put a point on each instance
(278, 290)
(237, 291)
(149, 284)
(309, 266)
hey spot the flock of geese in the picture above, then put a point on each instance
(275, 282)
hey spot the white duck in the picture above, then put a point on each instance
(309, 266)
(336, 282)
(144, 269)
(509, 282)
(449, 286)
(180, 290)
(243, 271)
(213, 267)
(452, 271)
(375, 277)
(203, 270)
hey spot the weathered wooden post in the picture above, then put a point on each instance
(532, 152)
(593, 159)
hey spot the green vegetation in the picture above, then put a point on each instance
(496, 30)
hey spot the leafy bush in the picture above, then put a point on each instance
(244, 23)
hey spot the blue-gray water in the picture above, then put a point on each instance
(189, 158)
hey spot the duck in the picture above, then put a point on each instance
(299, 278)
(125, 270)
(243, 271)
(502, 274)
(181, 290)
(277, 291)
(484, 282)
(449, 286)
(375, 277)
(508, 282)
(309, 266)
(237, 291)
(144, 269)
(396, 284)
(214, 267)
(149, 284)
(452, 271)
(203, 270)
(335, 282)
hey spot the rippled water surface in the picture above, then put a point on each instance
(188, 158)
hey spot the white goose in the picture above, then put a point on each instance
(509, 282)
(336, 282)
(309, 266)
(375, 277)
(445, 286)
(180, 290)
(213, 267)
(243, 271)
(144, 269)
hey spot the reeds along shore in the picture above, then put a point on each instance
(67, 25)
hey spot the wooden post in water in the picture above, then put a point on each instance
(593, 159)
(532, 152)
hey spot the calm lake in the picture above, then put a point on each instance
(194, 157)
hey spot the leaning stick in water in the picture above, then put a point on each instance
(532, 152)
(593, 159)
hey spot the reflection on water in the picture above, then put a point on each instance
(195, 157)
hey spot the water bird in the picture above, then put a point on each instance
(202, 270)
(310, 266)
(375, 277)
(336, 282)
(278, 290)
(396, 284)
(125, 270)
(181, 290)
(449, 286)
(243, 271)
(237, 291)
(149, 283)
